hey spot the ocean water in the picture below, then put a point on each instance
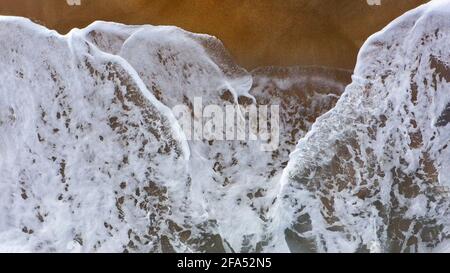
(94, 159)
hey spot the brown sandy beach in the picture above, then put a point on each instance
(257, 33)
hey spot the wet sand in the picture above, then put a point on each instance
(257, 33)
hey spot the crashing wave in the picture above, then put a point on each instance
(93, 158)
(372, 174)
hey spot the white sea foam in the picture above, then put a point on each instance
(371, 173)
(92, 159)
(72, 146)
